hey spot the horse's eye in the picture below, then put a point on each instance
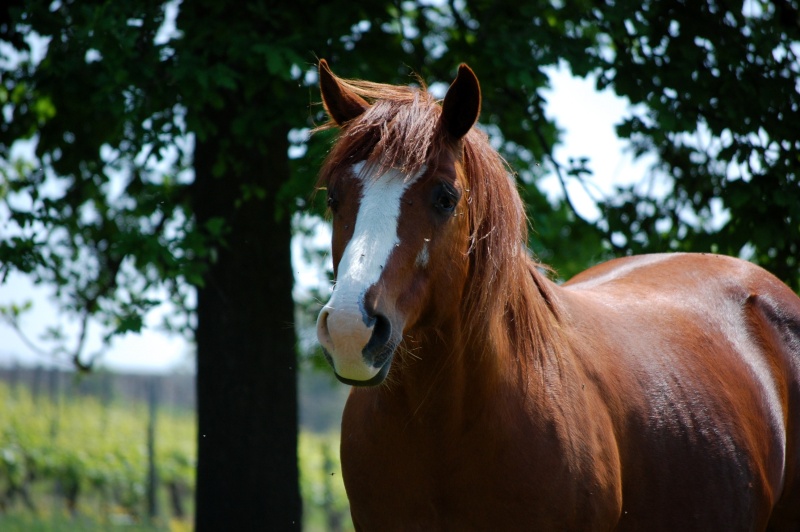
(445, 198)
(333, 202)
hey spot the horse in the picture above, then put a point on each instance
(653, 392)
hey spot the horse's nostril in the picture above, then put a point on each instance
(323, 334)
(382, 330)
(375, 351)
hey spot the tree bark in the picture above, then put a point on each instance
(247, 473)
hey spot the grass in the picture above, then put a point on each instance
(15, 522)
(100, 448)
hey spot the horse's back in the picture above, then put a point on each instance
(699, 358)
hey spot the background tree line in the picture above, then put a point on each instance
(162, 165)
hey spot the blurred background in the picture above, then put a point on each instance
(163, 255)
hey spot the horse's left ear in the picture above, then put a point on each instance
(462, 104)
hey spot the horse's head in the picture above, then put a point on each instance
(399, 198)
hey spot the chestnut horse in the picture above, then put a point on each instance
(658, 392)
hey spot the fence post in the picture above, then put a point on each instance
(152, 473)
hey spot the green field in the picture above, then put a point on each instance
(79, 464)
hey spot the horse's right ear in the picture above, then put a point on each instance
(341, 103)
(462, 104)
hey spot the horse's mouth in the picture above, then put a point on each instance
(376, 355)
(374, 381)
(384, 361)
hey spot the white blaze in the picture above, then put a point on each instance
(341, 326)
(374, 235)
(423, 257)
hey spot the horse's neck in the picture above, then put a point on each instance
(452, 374)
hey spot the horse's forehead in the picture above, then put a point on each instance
(376, 179)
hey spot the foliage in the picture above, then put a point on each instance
(60, 523)
(89, 449)
(324, 499)
(716, 91)
(100, 211)
(100, 448)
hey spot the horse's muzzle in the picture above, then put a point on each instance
(359, 346)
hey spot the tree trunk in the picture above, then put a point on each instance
(247, 474)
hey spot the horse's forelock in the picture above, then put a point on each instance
(398, 131)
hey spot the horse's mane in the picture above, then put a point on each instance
(399, 130)
(506, 292)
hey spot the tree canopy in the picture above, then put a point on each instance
(718, 84)
(170, 152)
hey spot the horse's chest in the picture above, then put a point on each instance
(419, 481)
(418, 492)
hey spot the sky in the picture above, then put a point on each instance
(586, 116)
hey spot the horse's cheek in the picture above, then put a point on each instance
(414, 296)
(445, 279)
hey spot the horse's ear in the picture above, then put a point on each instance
(341, 103)
(462, 104)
